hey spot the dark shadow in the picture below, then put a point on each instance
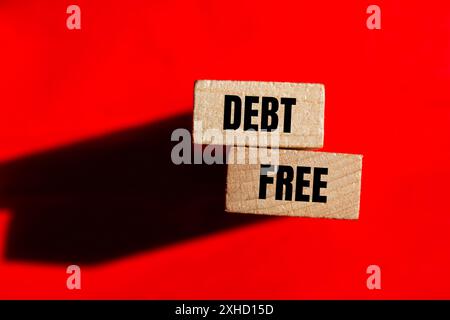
(111, 196)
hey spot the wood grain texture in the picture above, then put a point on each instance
(342, 191)
(307, 118)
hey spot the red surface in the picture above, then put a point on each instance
(134, 62)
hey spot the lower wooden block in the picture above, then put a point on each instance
(302, 183)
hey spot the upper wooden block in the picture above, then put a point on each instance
(301, 183)
(252, 113)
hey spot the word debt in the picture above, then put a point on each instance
(269, 109)
(303, 184)
(292, 111)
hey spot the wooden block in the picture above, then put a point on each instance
(306, 184)
(291, 115)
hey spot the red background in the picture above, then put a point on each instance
(134, 62)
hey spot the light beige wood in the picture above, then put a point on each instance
(342, 191)
(307, 115)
